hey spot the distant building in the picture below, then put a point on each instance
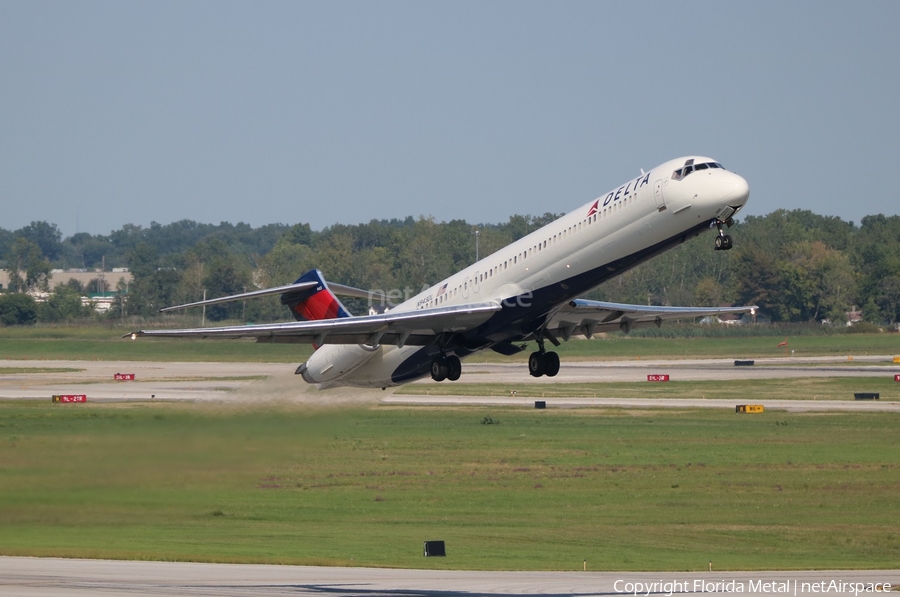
(84, 276)
(102, 301)
(854, 316)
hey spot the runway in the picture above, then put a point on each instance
(259, 382)
(52, 577)
(684, 370)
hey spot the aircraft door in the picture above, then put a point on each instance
(658, 195)
(465, 288)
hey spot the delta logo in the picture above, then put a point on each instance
(594, 208)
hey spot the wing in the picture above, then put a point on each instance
(416, 328)
(582, 317)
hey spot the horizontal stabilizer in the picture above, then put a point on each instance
(245, 295)
(298, 286)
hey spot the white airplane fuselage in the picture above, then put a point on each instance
(645, 216)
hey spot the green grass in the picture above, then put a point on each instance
(801, 388)
(107, 344)
(626, 490)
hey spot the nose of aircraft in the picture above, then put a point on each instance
(735, 190)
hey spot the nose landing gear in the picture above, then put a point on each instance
(723, 241)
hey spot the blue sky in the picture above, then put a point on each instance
(131, 112)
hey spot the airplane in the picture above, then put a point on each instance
(527, 291)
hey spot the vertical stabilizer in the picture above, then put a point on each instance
(314, 303)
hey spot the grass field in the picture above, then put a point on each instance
(630, 490)
(105, 344)
(801, 388)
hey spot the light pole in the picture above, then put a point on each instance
(477, 233)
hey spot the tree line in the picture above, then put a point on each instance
(796, 265)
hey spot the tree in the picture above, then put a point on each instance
(756, 277)
(85, 251)
(334, 256)
(98, 285)
(226, 274)
(17, 309)
(26, 266)
(46, 236)
(832, 279)
(803, 281)
(6, 241)
(709, 292)
(64, 303)
(285, 263)
(888, 298)
(75, 285)
(421, 259)
(876, 254)
(298, 234)
(120, 302)
(154, 286)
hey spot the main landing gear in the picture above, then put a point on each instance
(446, 368)
(543, 363)
(723, 241)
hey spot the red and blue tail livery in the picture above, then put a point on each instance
(314, 303)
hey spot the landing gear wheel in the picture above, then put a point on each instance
(537, 364)
(454, 368)
(720, 243)
(551, 363)
(439, 369)
(727, 243)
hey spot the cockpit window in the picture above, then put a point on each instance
(689, 167)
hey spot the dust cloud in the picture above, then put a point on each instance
(286, 389)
